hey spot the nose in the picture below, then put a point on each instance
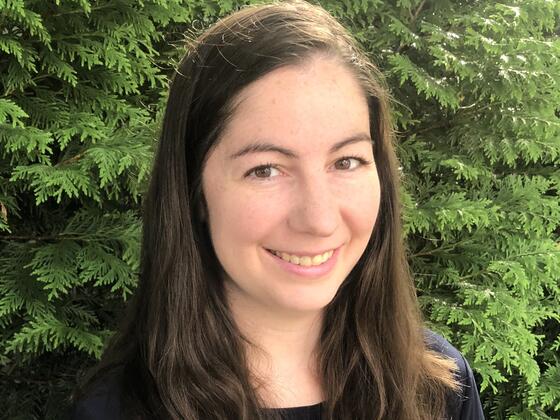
(315, 207)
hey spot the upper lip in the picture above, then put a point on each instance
(305, 253)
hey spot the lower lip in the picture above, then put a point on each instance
(312, 271)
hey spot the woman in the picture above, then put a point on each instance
(274, 282)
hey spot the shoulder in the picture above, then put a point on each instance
(437, 343)
(101, 401)
(466, 404)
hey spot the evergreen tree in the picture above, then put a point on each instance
(477, 95)
(81, 84)
(476, 88)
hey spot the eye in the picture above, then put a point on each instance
(263, 172)
(349, 163)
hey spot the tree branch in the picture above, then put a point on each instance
(413, 18)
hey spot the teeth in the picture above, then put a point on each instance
(317, 259)
(305, 261)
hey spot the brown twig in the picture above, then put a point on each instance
(413, 18)
(417, 12)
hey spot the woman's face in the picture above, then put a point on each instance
(291, 188)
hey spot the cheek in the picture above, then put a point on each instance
(239, 216)
(235, 215)
(361, 204)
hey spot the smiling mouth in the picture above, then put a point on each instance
(305, 261)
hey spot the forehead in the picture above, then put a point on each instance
(319, 100)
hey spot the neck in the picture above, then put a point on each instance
(281, 355)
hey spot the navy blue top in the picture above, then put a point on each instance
(103, 403)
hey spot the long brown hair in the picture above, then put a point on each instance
(181, 354)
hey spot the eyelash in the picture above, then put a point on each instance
(250, 173)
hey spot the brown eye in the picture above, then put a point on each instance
(262, 172)
(343, 163)
(349, 163)
(265, 172)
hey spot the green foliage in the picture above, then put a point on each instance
(476, 88)
(81, 86)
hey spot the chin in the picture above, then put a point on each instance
(305, 302)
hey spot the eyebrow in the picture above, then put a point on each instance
(263, 146)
